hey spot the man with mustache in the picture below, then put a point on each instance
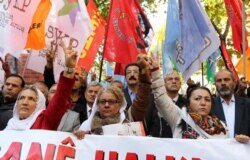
(234, 111)
(132, 79)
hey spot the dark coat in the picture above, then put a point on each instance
(158, 127)
(127, 97)
(242, 114)
(6, 112)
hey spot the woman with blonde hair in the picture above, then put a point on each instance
(110, 106)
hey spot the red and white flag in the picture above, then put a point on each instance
(95, 39)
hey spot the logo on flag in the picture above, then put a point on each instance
(71, 8)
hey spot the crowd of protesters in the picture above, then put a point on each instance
(81, 107)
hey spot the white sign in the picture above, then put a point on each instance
(48, 145)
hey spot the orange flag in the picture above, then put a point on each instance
(91, 47)
(239, 66)
(36, 36)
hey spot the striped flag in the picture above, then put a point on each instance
(95, 39)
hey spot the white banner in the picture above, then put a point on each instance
(15, 20)
(37, 60)
(67, 19)
(48, 145)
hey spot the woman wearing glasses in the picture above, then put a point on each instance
(110, 104)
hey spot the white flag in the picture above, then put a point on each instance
(15, 19)
(67, 19)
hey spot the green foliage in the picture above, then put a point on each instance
(103, 5)
(217, 12)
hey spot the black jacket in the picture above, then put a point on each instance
(6, 112)
(158, 127)
(242, 114)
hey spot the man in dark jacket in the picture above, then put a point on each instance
(159, 127)
(232, 110)
(8, 96)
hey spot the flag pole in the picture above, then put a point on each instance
(202, 74)
(100, 73)
(105, 39)
(244, 38)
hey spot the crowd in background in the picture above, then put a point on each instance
(81, 107)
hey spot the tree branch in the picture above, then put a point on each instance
(224, 36)
(216, 28)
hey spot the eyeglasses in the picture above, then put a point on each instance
(110, 101)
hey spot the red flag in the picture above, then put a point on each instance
(128, 32)
(91, 47)
(227, 59)
(119, 69)
(234, 12)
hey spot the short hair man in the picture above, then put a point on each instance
(117, 83)
(241, 89)
(8, 96)
(160, 127)
(234, 111)
(43, 88)
(90, 96)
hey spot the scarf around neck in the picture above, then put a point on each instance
(211, 126)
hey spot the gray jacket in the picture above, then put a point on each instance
(69, 122)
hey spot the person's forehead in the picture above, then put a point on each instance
(107, 94)
(200, 92)
(223, 74)
(117, 83)
(13, 80)
(28, 93)
(173, 75)
(133, 68)
(41, 86)
(93, 87)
